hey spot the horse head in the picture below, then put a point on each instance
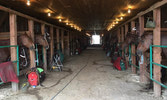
(144, 44)
(47, 36)
(41, 40)
(26, 41)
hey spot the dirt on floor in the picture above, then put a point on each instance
(88, 76)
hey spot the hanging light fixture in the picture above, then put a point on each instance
(121, 18)
(49, 14)
(60, 20)
(28, 2)
(129, 10)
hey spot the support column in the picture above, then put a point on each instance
(62, 40)
(13, 50)
(57, 39)
(143, 78)
(31, 34)
(157, 51)
(122, 40)
(118, 35)
(133, 50)
(68, 43)
(44, 49)
(126, 50)
(51, 42)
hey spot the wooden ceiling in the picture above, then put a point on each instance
(88, 14)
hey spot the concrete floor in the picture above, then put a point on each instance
(89, 76)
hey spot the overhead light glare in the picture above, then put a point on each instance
(28, 2)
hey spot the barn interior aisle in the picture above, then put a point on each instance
(89, 76)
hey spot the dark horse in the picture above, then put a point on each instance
(143, 46)
(22, 40)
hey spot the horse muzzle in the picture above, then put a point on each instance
(47, 47)
(139, 52)
(32, 47)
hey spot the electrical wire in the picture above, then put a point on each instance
(70, 81)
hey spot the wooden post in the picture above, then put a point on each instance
(133, 50)
(126, 50)
(51, 43)
(126, 29)
(68, 43)
(57, 39)
(118, 35)
(44, 49)
(13, 50)
(31, 34)
(122, 33)
(143, 78)
(157, 51)
(62, 40)
(122, 40)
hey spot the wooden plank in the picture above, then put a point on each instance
(31, 34)
(44, 49)
(62, 41)
(118, 35)
(58, 38)
(133, 50)
(26, 16)
(51, 43)
(151, 29)
(13, 41)
(157, 51)
(68, 43)
(143, 77)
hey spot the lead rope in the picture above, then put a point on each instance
(70, 80)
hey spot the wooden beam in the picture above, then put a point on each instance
(44, 49)
(122, 33)
(157, 51)
(133, 50)
(51, 43)
(26, 16)
(13, 41)
(62, 40)
(58, 39)
(31, 34)
(126, 50)
(154, 6)
(151, 29)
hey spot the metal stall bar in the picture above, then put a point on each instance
(151, 65)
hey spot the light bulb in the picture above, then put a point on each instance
(129, 10)
(28, 2)
(49, 14)
(116, 22)
(113, 25)
(67, 23)
(60, 20)
(121, 18)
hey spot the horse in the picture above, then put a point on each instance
(143, 46)
(22, 40)
(42, 40)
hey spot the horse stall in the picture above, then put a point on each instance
(42, 44)
(146, 45)
(17, 43)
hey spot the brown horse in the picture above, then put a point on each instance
(23, 40)
(41, 40)
(143, 46)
